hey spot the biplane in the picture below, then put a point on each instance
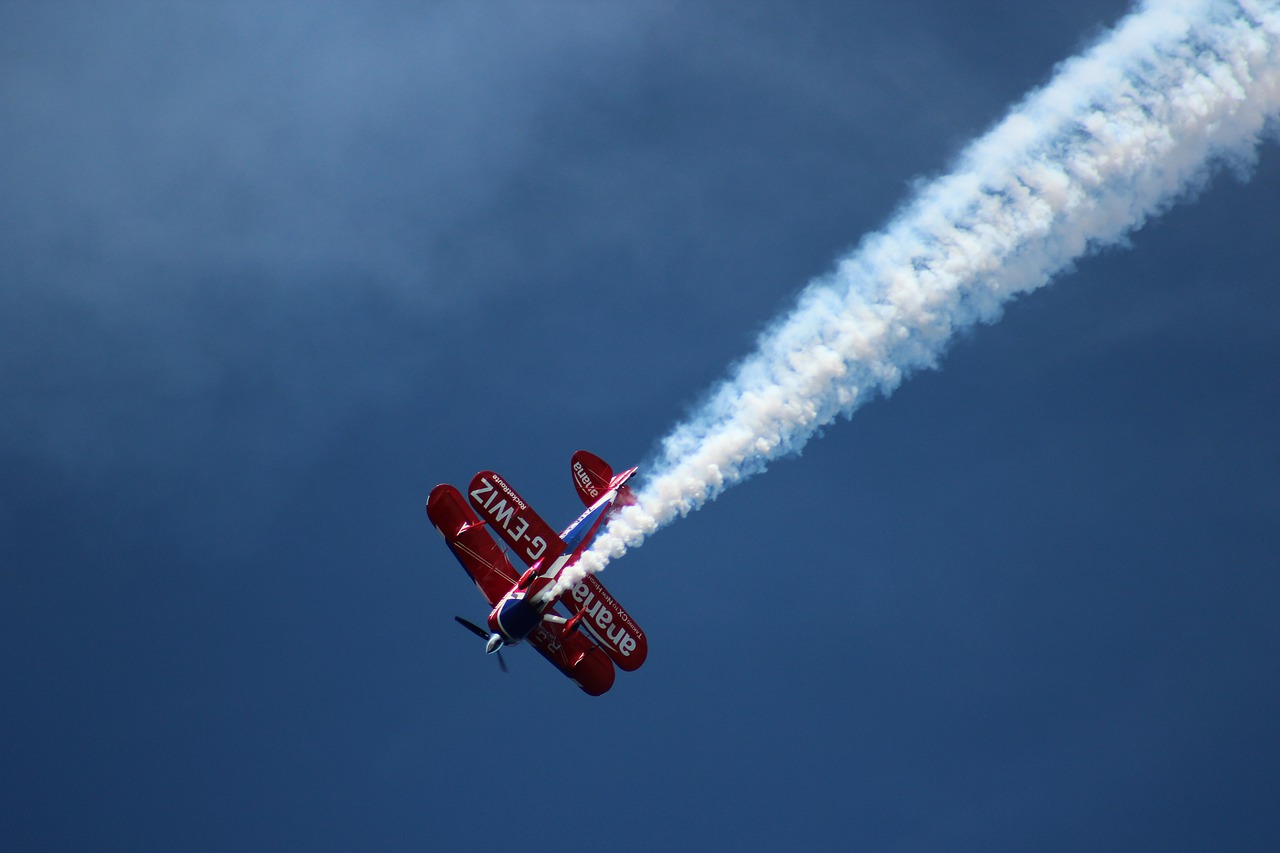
(583, 632)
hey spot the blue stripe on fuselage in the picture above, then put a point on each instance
(586, 522)
(517, 619)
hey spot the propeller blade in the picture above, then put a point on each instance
(484, 635)
(473, 628)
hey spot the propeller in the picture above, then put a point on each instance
(472, 627)
(494, 640)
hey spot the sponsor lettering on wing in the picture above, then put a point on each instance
(584, 480)
(607, 620)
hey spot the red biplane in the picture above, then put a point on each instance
(594, 633)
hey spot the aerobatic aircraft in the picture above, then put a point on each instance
(592, 633)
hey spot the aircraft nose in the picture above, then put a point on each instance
(495, 643)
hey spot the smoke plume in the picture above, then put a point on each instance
(1118, 135)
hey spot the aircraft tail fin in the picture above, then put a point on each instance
(592, 477)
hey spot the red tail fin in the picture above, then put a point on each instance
(591, 476)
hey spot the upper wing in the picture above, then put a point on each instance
(531, 538)
(613, 627)
(464, 533)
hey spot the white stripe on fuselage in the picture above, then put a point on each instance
(558, 565)
(608, 498)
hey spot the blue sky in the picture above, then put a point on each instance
(271, 273)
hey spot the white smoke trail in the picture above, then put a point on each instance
(1115, 137)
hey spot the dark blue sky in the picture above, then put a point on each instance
(268, 274)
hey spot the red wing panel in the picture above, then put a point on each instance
(465, 535)
(530, 537)
(575, 656)
(591, 476)
(618, 633)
